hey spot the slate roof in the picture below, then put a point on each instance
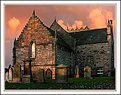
(91, 36)
(62, 42)
(62, 35)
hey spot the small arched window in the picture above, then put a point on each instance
(32, 50)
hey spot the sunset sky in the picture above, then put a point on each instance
(16, 16)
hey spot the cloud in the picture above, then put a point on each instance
(77, 24)
(13, 23)
(98, 17)
(12, 30)
(61, 23)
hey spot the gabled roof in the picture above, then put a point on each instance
(63, 34)
(91, 36)
(33, 24)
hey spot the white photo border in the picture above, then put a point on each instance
(117, 91)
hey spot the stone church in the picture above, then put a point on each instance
(51, 50)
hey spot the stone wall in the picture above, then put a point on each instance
(66, 57)
(44, 55)
(36, 32)
(94, 55)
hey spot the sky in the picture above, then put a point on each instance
(79, 15)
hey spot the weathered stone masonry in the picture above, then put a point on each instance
(99, 55)
(36, 33)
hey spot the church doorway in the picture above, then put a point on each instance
(87, 71)
(48, 74)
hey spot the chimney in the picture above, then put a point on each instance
(109, 26)
(109, 30)
(109, 23)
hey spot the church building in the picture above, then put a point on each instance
(44, 49)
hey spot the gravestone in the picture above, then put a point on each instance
(105, 71)
(10, 74)
(61, 73)
(16, 72)
(6, 76)
(38, 76)
(26, 78)
(48, 74)
(77, 71)
(87, 72)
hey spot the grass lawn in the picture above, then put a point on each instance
(74, 83)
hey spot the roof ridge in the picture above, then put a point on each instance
(87, 30)
(31, 20)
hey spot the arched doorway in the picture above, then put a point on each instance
(48, 74)
(87, 71)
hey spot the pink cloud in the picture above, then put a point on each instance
(13, 23)
(98, 17)
(61, 23)
(12, 30)
(77, 24)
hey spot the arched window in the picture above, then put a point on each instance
(32, 50)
